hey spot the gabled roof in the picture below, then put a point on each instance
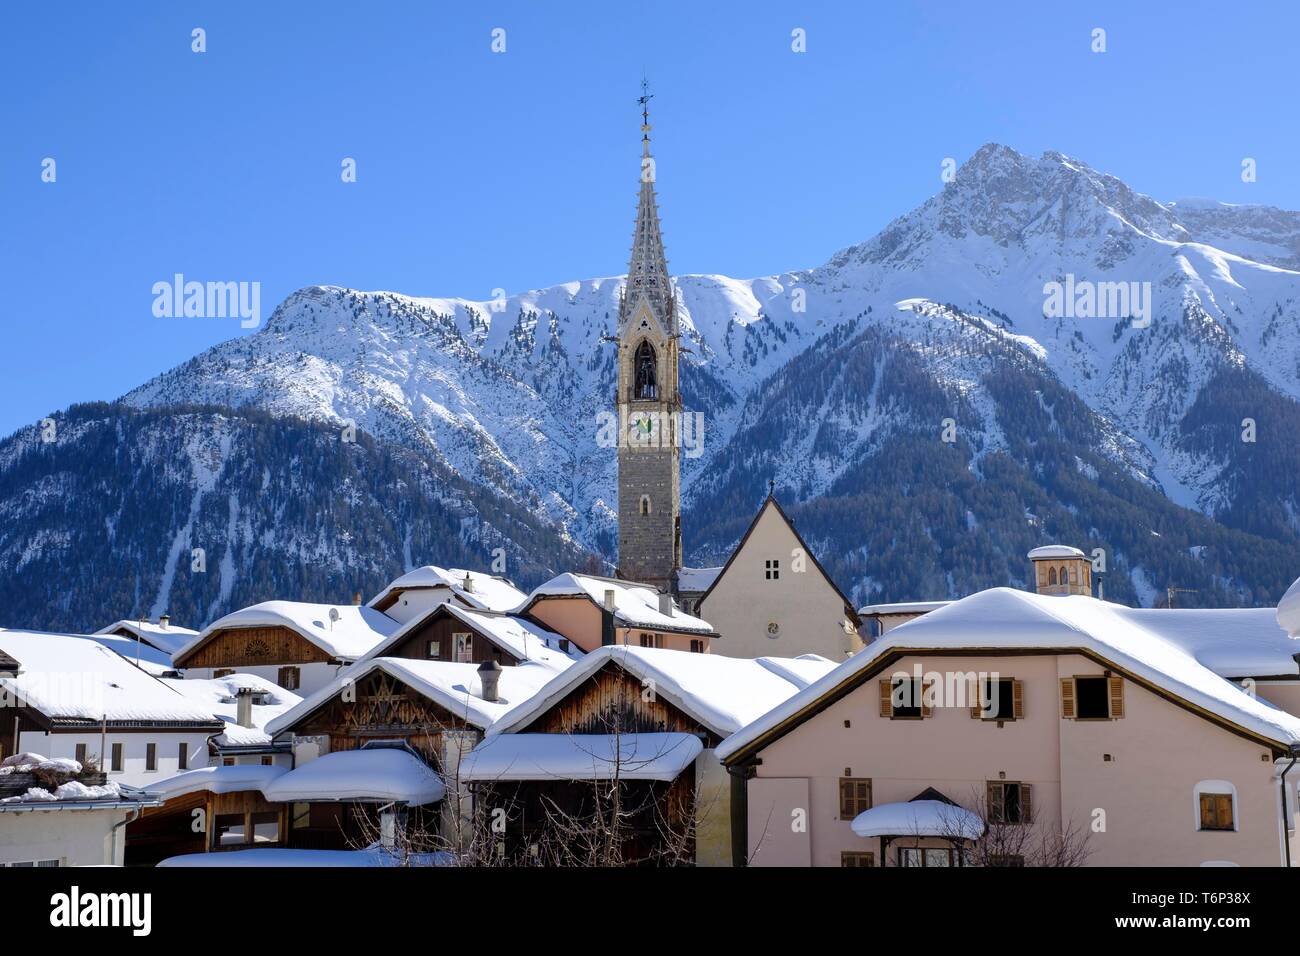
(73, 680)
(637, 756)
(145, 656)
(1159, 654)
(635, 605)
(695, 580)
(523, 639)
(169, 639)
(451, 685)
(722, 693)
(357, 630)
(490, 592)
(771, 501)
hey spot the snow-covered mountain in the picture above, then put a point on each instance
(818, 378)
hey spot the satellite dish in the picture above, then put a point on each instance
(334, 616)
(1288, 610)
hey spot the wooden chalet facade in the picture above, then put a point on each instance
(243, 648)
(232, 821)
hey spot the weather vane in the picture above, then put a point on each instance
(644, 100)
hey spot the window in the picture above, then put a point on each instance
(1005, 859)
(290, 678)
(651, 640)
(150, 756)
(1051, 576)
(265, 826)
(464, 647)
(81, 754)
(855, 796)
(857, 858)
(772, 569)
(227, 761)
(645, 504)
(1001, 699)
(927, 856)
(1092, 697)
(228, 830)
(1216, 805)
(301, 816)
(222, 672)
(1009, 802)
(32, 863)
(182, 756)
(697, 647)
(266, 761)
(645, 386)
(433, 650)
(904, 698)
(117, 758)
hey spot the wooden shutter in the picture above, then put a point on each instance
(886, 703)
(1067, 698)
(995, 802)
(1116, 697)
(1018, 699)
(977, 699)
(1207, 811)
(925, 697)
(1026, 803)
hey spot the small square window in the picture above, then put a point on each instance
(1216, 811)
(433, 650)
(771, 569)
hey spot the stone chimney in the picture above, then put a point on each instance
(244, 707)
(1060, 569)
(469, 584)
(489, 675)
(164, 620)
(665, 603)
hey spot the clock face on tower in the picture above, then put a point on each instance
(642, 429)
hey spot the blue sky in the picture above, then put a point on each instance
(518, 170)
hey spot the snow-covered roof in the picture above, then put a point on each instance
(487, 591)
(697, 579)
(169, 639)
(902, 607)
(1048, 551)
(375, 773)
(1165, 651)
(523, 639)
(450, 684)
(68, 677)
(1288, 610)
(357, 630)
(649, 756)
(148, 658)
(635, 605)
(1232, 642)
(218, 696)
(722, 693)
(222, 778)
(926, 818)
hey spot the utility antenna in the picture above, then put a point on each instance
(1170, 592)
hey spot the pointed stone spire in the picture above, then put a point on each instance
(647, 272)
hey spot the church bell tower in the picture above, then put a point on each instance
(649, 402)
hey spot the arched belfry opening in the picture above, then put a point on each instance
(645, 373)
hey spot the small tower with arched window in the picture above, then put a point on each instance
(1060, 569)
(649, 402)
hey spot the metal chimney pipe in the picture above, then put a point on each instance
(489, 675)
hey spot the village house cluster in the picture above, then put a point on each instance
(742, 715)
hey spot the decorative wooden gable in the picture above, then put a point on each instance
(377, 705)
(251, 646)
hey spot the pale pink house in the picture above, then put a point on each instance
(1151, 737)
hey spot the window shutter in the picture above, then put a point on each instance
(977, 699)
(1116, 697)
(995, 802)
(1018, 699)
(925, 697)
(1224, 802)
(1067, 698)
(1026, 803)
(886, 703)
(1207, 811)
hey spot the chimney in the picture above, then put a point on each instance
(665, 603)
(164, 620)
(607, 631)
(356, 599)
(1060, 569)
(609, 599)
(469, 583)
(489, 675)
(244, 707)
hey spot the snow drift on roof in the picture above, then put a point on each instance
(233, 778)
(649, 756)
(377, 773)
(70, 677)
(489, 592)
(1165, 651)
(169, 639)
(357, 630)
(919, 818)
(722, 693)
(635, 605)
